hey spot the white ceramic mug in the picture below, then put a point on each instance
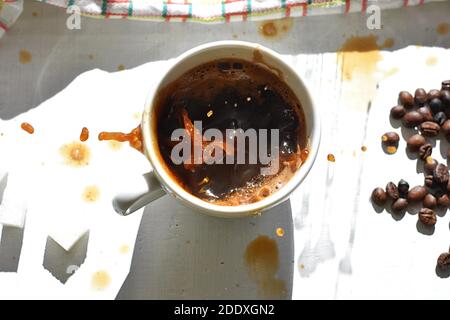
(159, 182)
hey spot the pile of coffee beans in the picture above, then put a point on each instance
(428, 114)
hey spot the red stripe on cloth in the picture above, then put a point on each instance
(421, 2)
(405, 3)
(3, 26)
(304, 6)
(347, 6)
(364, 5)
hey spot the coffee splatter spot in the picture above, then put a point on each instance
(34, 14)
(262, 261)
(124, 249)
(27, 127)
(331, 157)
(443, 28)
(120, 67)
(234, 36)
(91, 56)
(76, 154)
(84, 135)
(279, 232)
(91, 193)
(302, 266)
(388, 43)
(100, 280)
(275, 28)
(363, 148)
(431, 61)
(25, 57)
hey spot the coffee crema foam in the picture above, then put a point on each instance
(231, 94)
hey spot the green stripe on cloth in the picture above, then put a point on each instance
(70, 3)
(164, 11)
(223, 9)
(104, 7)
(249, 6)
(130, 8)
(190, 10)
(283, 3)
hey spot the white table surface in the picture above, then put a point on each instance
(181, 254)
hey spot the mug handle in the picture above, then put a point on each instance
(142, 191)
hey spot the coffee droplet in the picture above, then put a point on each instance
(91, 193)
(76, 154)
(84, 135)
(100, 280)
(25, 57)
(121, 67)
(363, 148)
(27, 127)
(280, 232)
(331, 158)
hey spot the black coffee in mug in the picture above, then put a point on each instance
(230, 132)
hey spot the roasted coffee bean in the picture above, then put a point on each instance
(426, 113)
(406, 99)
(403, 188)
(398, 112)
(429, 181)
(434, 93)
(412, 119)
(440, 118)
(399, 205)
(425, 151)
(445, 98)
(443, 262)
(444, 201)
(420, 97)
(427, 217)
(445, 85)
(390, 139)
(379, 197)
(436, 105)
(429, 129)
(417, 194)
(429, 165)
(445, 128)
(429, 201)
(415, 142)
(392, 191)
(440, 174)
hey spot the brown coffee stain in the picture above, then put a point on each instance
(443, 28)
(124, 249)
(76, 154)
(331, 157)
(431, 61)
(120, 67)
(363, 148)
(358, 59)
(275, 29)
(100, 280)
(84, 135)
(91, 56)
(279, 232)
(302, 266)
(25, 57)
(134, 138)
(262, 261)
(27, 127)
(259, 59)
(388, 43)
(34, 14)
(91, 194)
(234, 36)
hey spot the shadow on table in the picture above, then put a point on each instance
(181, 254)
